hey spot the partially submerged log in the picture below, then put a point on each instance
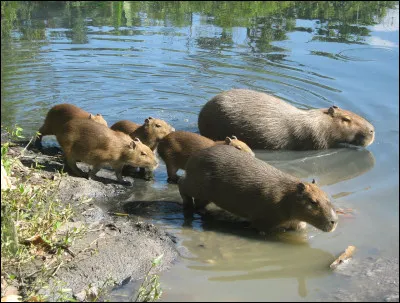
(348, 253)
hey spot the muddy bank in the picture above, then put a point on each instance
(113, 247)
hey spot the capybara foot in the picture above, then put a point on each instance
(173, 180)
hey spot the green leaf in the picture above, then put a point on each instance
(157, 260)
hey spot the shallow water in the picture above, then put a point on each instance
(131, 60)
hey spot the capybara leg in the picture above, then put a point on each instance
(129, 170)
(38, 142)
(118, 174)
(187, 201)
(94, 171)
(72, 165)
(172, 176)
(200, 204)
(146, 174)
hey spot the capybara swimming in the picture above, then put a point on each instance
(252, 189)
(267, 122)
(150, 133)
(98, 145)
(60, 114)
(176, 148)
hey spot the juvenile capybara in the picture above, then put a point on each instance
(252, 189)
(176, 148)
(267, 122)
(60, 114)
(150, 133)
(98, 145)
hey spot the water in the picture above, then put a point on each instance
(131, 60)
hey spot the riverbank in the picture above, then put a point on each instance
(90, 250)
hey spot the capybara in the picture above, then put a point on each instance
(267, 122)
(98, 145)
(176, 148)
(60, 114)
(252, 189)
(150, 133)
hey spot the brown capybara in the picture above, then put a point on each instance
(98, 145)
(176, 148)
(267, 122)
(150, 133)
(252, 189)
(60, 114)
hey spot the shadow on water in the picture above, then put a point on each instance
(226, 248)
(327, 167)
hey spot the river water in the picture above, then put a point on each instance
(131, 60)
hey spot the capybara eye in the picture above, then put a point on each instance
(143, 153)
(158, 125)
(346, 119)
(315, 202)
(238, 147)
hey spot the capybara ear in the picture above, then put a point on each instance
(136, 139)
(150, 118)
(147, 121)
(90, 116)
(313, 181)
(301, 187)
(234, 137)
(98, 115)
(331, 110)
(132, 144)
(228, 140)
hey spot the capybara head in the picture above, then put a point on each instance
(240, 145)
(98, 118)
(158, 127)
(347, 127)
(314, 207)
(140, 155)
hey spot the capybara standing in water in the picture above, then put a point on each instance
(176, 148)
(252, 189)
(150, 133)
(58, 115)
(267, 122)
(98, 145)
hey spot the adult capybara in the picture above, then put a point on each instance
(267, 122)
(150, 133)
(252, 189)
(176, 148)
(60, 114)
(98, 145)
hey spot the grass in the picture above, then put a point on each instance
(31, 216)
(150, 289)
(32, 249)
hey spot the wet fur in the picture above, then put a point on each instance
(253, 189)
(267, 122)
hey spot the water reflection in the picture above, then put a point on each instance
(238, 258)
(327, 167)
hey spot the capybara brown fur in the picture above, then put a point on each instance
(150, 132)
(98, 145)
(267, 122)
(252, 189)
(58, 115)
(176, 148)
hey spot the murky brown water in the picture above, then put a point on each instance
(131, 60)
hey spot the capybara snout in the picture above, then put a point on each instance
(315, 207)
